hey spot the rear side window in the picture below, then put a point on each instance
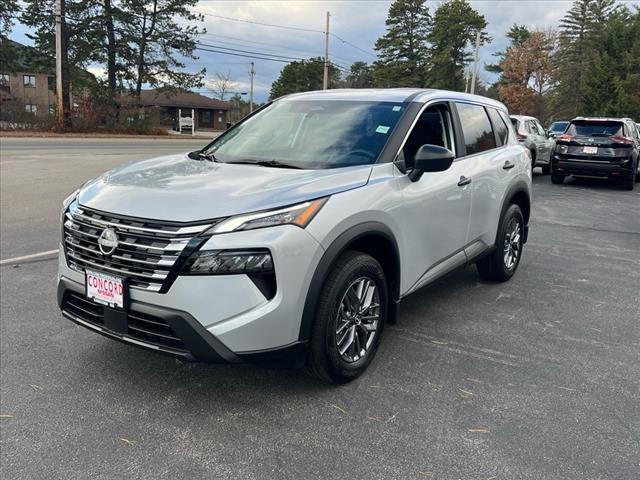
(501, 129)
(585, 128)
(476, 128)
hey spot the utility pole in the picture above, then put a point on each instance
(59, 90)
(474, 76)
(325, 79)
(252, 73)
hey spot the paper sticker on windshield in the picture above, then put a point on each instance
(382, 129)
(396, 108)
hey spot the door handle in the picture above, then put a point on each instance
(508, 165)
(464, 181)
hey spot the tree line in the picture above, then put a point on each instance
(588, 65)
(419, 49)
(139, 42)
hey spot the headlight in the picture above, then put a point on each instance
(229, 262)
(300, 215)
(562, 149)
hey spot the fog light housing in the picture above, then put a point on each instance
(228, 262)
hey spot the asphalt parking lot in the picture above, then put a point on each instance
(538, 378)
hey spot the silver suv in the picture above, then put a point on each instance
(291, 239)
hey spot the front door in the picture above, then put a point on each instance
(436, 208)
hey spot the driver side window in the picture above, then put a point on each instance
(434, 128)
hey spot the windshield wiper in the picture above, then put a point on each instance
(265, 163)
(200, 155)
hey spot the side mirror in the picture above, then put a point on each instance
(430, 158)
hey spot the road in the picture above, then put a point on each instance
(36, 174)
(538, 378)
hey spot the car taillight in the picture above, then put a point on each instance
(522, 136)
(621, 139)
(565, 137)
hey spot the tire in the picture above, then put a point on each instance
(495, 267)
(325, 358)
(533, 159)
(546, 170)
(557, 178)
(628, 183)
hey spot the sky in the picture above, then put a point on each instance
(358, 22)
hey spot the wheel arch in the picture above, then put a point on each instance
(373, 238)
(520, 195)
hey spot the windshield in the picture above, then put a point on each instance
(311, 134)
(594, 129)
(558, 127)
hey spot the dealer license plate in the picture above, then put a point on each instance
(105, 289)
(591, 150)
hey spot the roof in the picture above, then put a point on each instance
(420, 95)
(601, 119)
(523, 117)
(180, 99)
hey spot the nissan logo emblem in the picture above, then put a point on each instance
(108, 241)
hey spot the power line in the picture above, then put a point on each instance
(252, 52)
(300, 29)
(260, 55)
(242, 55)
(280, 48)
(354, 46)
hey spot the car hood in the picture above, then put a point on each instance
(177, 188)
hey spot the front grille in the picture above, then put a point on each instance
(147, 249)
(141, 326)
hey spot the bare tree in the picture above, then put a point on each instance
(222, 85)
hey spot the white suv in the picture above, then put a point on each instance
(291, 239)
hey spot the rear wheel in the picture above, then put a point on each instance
(557, 178)
(350, 316)
(533, 159)
(502, 264)
(546, 169)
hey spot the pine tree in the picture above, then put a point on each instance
(580, 32)
(517, 34)
(360, 75)
(402, 51)
(303, 76)
(612, 87)
(155, 43)
(455, 25)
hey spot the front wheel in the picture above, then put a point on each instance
(350, 316)
(502, 264)
(546, 170)
(557, 178)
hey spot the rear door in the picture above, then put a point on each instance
(489, 158)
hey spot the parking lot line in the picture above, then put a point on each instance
(28, 257)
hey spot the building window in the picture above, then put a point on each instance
(206, 117)
(29, 81)
(4, 82)
(31, 108)
(219, 119)
(51, 83)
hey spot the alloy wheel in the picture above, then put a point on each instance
(512, 244)
(357, 319)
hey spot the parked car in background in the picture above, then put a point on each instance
(293, 236)
(531, 134)
(598, 147)
(556, 129)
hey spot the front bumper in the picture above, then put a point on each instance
(212, 318)
(601, 169)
